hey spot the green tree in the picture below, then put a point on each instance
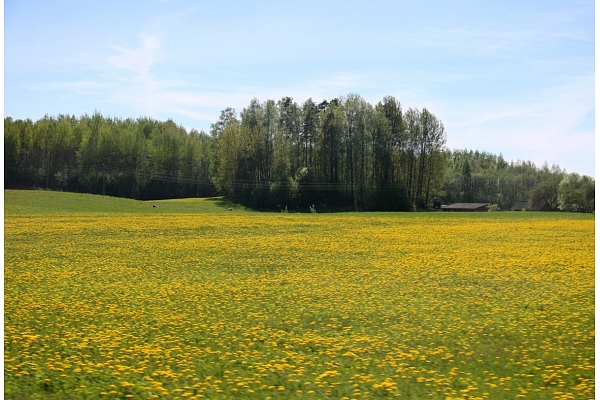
(576, 193)
(547, 189)
(229, 151)
(310, 132)
(331, 151)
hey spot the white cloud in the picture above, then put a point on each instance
(137, 60)
(135, 85)
(547, 125)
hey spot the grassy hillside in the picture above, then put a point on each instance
(43, 201)
(25, 202)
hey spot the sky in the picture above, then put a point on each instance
(508, 77)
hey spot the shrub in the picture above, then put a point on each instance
(493, 207)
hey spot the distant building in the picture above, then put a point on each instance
(524, 205)
(466, 207)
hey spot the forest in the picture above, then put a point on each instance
(338, 155)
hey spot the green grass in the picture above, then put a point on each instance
(43, 201)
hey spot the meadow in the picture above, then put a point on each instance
(113, 298)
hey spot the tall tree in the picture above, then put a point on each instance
(229, 152)
(413, 125)
(310, 132)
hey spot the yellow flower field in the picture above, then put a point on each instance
(249, 305)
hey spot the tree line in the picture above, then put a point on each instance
(139, 159)
(343, 154)
(473, 176)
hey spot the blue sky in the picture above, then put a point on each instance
(510, 77)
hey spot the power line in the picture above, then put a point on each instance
(237, 183)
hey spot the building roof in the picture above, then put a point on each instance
(520, 205)
(465, 206)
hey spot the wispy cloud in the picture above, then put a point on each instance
(129, 79)
(548, 124)
(137, 60)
